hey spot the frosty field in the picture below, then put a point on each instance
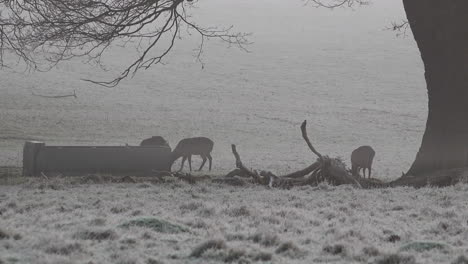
(356, 84)
(84, 221)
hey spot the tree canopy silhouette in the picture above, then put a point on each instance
(45, 32)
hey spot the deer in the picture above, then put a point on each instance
(155, 141)
(193, 146)
(361, 158)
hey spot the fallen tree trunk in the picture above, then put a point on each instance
(333, 171)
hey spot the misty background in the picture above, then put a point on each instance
(355, 82)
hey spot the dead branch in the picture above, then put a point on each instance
(236, 172)
(303, 172)
(234, 181)
(56, 96)
(246, 171)
(324, 169)
(306, 138)
(337, 3)
(190, 178)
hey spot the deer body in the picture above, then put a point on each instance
(193, 146)
(155, 141)
(361, 158)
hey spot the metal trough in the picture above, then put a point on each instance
(37, 158)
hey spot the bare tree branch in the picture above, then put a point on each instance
(43, 33)
(56, 96)
(337, 3)
(306, 138)
(401, 27)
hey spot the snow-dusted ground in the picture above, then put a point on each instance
(57, 221)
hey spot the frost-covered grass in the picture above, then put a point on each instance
(60, 220)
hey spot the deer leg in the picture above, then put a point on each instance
(359, 171)
(182, 164)
(190, 162)
(210, 159)
(203, 163)
(354, 170)
(370, 169)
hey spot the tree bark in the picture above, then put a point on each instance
(440, 29)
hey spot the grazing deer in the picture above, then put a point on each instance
(155, 141)
(361, 158)
(193, 146)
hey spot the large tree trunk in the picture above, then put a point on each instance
(440, 29)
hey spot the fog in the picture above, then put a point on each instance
(356, 82)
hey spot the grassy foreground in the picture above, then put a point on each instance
(93, 219)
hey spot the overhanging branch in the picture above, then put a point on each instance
(44, 33)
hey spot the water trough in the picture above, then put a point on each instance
(39, 158)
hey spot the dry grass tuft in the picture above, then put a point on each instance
(393, 238)
(265, 239)
(241, 211)
(128, 241)
(95, 235)
(98, 222)
(337, 249)
(64, 250)
(231, 237)
(4, 234)
(157, 225)
(127, 179)
(119, 209)
(460, 260)
(206, 212)
(261, 256)
(197, 223)
(396, 259)
(370, 251)
(153, 261)
(289, 249)
(192, 206)
(234, 255)
(210, 244)
(92, 179)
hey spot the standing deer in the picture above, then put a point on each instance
(361, 158)
(193, 146)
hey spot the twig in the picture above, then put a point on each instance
(56, 96)
(44, 176)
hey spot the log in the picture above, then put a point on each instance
(303, 172)
(246, 171)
